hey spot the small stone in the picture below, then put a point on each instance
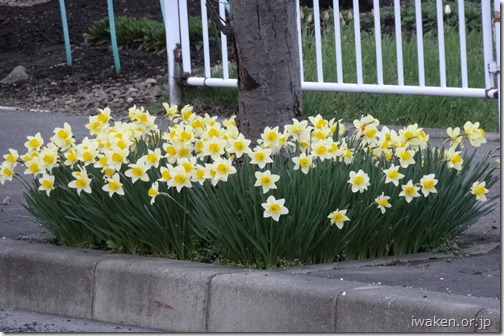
(129, 100)
(116, 93)
(150, 81)
(17, 75)
(156, 91)
(7, 201)
(54, 83)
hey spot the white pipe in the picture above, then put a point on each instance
(224, 47)
(184, 34)
(337, 41)
(420, 46)
(441, 43)
(318, 41)
(172, 33)
(463, 48)
(486, 28)
(358, 45)
(300, 42)
(359, 88)
(497, 11)
(378, 38)
(398, 34)
(206, 51)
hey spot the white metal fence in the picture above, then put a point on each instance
(177, 36)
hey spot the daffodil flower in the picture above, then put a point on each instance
(223, 168)
(153, 192)
(359, 181)
(409, 191)
(138, 171)
(392, 175)
(46, 183)
(428, 183)
(113, 185)
(305, 162)
(266, 180)
(383, 202)
(478, 189)
(274, 208)
(82, 181)
(338, 217)
(260, 156)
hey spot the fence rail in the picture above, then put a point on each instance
(178, 38)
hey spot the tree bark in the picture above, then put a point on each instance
(267, 53)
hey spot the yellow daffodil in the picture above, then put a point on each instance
(274, 208)
(338, 217)
(198, 174)
(478, 189)
(266, 180)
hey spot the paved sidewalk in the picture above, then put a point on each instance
(386, 294)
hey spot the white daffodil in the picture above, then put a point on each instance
(266, 180)
(338, 217)
(274, 208)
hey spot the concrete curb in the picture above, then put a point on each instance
(181, 296)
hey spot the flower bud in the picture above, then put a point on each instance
(309, 19)
(301, 14)
(350, 16)
(326, 16)
(447, 10)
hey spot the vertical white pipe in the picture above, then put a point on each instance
(318, 41)
(441, 43)
(172, 32)
(463, 48)
(300, 42)
(398, 34)
(497, 11)
(420, 46)
(337, 41)
(206, 47)
(358, 45)
(487, 42)
(378, 38)
(224, 46)
(184, 36)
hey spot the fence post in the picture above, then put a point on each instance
(172, 32)
(497, 36)
(65, 32)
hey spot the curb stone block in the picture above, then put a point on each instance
(272, 302)
(162, 294)
(490, 316)
(53, 283)
(392, 309)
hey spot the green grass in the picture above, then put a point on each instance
(427, 111)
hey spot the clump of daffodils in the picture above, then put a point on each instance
(199, 149)
(312, 190)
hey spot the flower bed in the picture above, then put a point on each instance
(312, 193)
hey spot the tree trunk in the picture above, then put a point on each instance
(267, 53)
